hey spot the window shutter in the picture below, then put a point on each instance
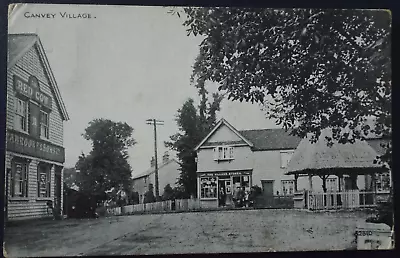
(38, 181)
(215, 154)
(25, 171)
(12, 179)
(231, 154)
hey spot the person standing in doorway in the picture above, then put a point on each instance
(222, 197)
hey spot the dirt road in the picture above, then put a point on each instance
(202, 232)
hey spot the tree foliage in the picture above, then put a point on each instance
(193, 125)
(149, 195)
(168, 193)
(70, 177)
(106, 166)
(312, 69)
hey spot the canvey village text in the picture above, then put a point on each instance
(64, 15)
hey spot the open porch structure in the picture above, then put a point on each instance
(346, 162)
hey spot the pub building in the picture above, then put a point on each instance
(34, 132)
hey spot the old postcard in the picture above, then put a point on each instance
(169, 130)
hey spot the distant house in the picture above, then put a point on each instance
(168, 173)
(228, 159)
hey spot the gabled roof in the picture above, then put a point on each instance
(320, 158)
(153, 170)
(271, 139)
(18, 46)
(219, 124)
(376, 145)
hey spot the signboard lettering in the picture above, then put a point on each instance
(236, 173)
(32, 91)
(25, 144)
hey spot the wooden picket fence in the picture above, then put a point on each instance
(352, 199)
(164, 206)
(187, 204)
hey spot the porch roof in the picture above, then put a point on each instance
(320, 159)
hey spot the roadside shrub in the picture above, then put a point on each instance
(384, 213)
(168, 193)
(102, 211)
(256, 190)
(149, 197)
(134, 198)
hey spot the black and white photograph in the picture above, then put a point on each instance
(152, 130)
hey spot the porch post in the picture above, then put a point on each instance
(373, 175)
(339, 196)
(296, 176)
(198, 187)
(324, 183)
(310, 182)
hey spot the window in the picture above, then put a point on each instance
(21, 115)
(223, 153)
(208, 187)
(287, 187)
(331, 185)
(285, 158)
(44, 124)
(19, 179)
(382, 181)
(44, 180)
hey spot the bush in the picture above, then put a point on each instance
(168, 193)
(102, 211)
(385, 213)
(149, 197)
(134, 198)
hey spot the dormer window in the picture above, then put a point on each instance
(223, 153)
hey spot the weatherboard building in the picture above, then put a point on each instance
(34, 131)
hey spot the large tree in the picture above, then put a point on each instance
(194, 124)
(106, 166)
(311, 68)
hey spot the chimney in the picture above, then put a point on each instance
(165, 157)
(153, 162)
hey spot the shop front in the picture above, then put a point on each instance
(217, 189)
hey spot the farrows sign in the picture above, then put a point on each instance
(25, 144)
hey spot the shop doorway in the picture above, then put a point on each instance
(268, 188)
(225, 192)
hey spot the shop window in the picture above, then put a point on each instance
(223, 153)
(285, 158)
(44, 124)
(287, 187)
(208, 187)
(331, 185)
(21, 115)
(382, 181)
(44, 180)
(19, 179)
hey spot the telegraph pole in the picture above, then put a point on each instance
(155, 122)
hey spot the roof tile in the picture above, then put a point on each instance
(271, 139)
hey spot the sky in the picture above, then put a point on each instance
(127, 64)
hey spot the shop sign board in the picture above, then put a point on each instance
(25, 144)
(31, 90)
(233, 173)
